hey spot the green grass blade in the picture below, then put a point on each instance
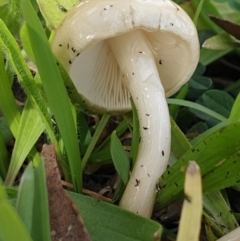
(7, 101)
(121, 128)
(179, 143)
(235, 113)
(55, 91)
(25, 198)
(123, 225)
(198, 11)
(216, 206)
(206, 9)
(119, 157)
(11, 226)
(4, 158)
(30, 129)
(84, 132)
(102, 123)
(173, 109)
(100, 156)
(25, 78)
(196, 107)
(40, 222)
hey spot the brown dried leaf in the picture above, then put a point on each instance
(65, 220)
(230, 27)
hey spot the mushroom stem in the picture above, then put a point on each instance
(141, 78)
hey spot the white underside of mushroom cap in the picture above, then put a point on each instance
(103, 89)
(168, 29)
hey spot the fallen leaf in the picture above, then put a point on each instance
(65, 220)
(230, 27)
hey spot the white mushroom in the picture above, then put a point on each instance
(147, 49)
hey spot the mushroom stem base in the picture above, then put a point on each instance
(141, 78)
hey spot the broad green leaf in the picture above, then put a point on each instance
(207, 56)
(219, 101)
(217, 155)
(198, 128)
(30, 129)
(119, 157)
(55, 91)
(197, 86)
(11, 226)
(209, 131)
(221, 41)
(55, 10)
(40, 222)
(109, 222)
(180, 145)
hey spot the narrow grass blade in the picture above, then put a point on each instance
(192, 206)
(84, 132)
(121, 128)
(198, 11)
(25, 78)
(196, 107)
(25, 198)
(217, 208)
(173, 109)
(7, 101)
(123, 225)
(55, 91)
(4, 158)
(119, 157)
(102, 123)
(11, 226)
(235, 115)
(101, 157)
(30, 129)
(206, 9)
(40, 222)
(179, 143)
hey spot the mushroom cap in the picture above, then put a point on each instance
(79, 44)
